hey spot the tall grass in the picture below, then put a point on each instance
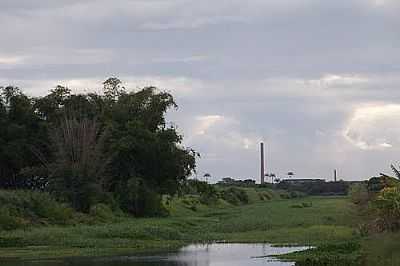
(23, 208)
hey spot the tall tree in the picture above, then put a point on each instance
(146, 149)
(21, 133)
(77, 173)
(118, 143)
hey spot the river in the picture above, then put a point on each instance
(193, 255)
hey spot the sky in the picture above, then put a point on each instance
(317, 81)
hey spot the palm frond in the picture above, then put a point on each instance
(396, 172)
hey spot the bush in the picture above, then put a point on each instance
(292, 195)
(359, 194)
(136, 198)
(331, 254)
(207, 193)
(20, 208)
(153, 206)
(191, 202)
(102, 212)
(377, 184)
(302, 205)
(208, 199)
(8, 221)
(235, 196)
(264, 196)
(387, 205)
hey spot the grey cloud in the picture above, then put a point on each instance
(290, 72)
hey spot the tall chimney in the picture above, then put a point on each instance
(335, 175)
(262, 162)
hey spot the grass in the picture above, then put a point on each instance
(382, 249)
(328, 223)
(20, 209)
(335, 253)
(276, 221)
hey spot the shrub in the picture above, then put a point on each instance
(7, 221)
(264, 196)
(191, 202)
(359, 193)
(153, 206)
(208, 199)
(43, 205)
(193, 208)
(292, 195)
(376, 184)
(207, 193)
(19, 208)
(138, 199)
(331, 254)
(235, 196)
(302, 205)
(387, 205)
(102, 212)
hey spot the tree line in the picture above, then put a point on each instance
(114, 148)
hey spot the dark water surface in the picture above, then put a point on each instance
(192, 255)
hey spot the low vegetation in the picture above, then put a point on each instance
(341, 253)
(19, 209)
(378, 200)
(274, 221)
(331, 224)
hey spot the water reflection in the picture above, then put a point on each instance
(193, 255)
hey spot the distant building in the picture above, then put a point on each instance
(315, 186)
(302, 181)
(227, 181)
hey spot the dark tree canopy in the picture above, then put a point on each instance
(90, 148)
(22, 132)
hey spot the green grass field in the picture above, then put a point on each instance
(275, 221)
(326, 222)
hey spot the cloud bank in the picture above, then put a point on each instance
(318, 81)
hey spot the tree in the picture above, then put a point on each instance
(86, 147)
(50, 107)
(145, 148)
(395, 171)
(22, 132)
(77, 174)
(387, 205)
(206, 177)
(113, 88)
(272, 175)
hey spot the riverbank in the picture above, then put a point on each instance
(303, 221)
(329, 223)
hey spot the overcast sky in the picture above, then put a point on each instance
(318, 81)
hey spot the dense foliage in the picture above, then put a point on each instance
(22, 131)
(388, 206)
(115, 148)
(380, 197)
(22, 208)
(207, 193)
(359, 193)
(235, 196)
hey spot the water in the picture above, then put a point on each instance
(192, 255)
